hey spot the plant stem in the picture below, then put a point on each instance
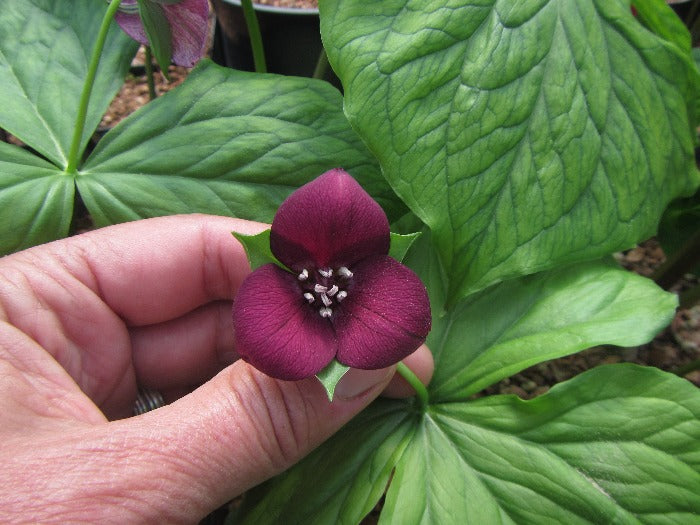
(321, 65)
(149, 74)
(412, 379)
(72, 164)
(256, 42)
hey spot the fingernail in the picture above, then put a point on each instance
(357, 382)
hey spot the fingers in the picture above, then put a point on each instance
(177, 463)
(186, 351)
(153, 270)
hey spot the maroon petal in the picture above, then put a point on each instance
(131, 23)
(189, 25)
(327, 223)
(385, 316)
(276, 330)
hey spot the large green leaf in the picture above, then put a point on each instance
(45, 47)
(225, 142)
(513, 325)
(525, 134)
(617, 444)
(36, 200)
(342, 480)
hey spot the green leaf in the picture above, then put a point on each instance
(662, 20)
(617, 444)
(257, 248)
(158, 32)
(508, 327)
(525, 134)
(330, 376)
(226, 142)
(343, 479)
(45, 46)
(400, 244)
(36, 200)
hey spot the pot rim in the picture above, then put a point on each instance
(278, 10)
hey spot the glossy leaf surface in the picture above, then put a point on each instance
(481, 112)
(615, 444)
(225, 142)
(508, 327)
(36, 200)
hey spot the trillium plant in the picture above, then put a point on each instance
(526, 141)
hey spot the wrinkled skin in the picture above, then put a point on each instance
(84, 320)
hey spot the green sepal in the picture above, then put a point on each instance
(400, 244)
(158, 31)
(330, 376)
(257, 248)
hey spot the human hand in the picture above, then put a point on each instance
(86, 321)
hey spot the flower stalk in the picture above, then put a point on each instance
(149, 73)
(74, 152)
(256, 42)
(416, 384)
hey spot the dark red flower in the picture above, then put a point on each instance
(343, 297)
(189, 27)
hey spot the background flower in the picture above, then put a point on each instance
(189, 26)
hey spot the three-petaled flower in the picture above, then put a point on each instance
(188, 21)
(343, 297)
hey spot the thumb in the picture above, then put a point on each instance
(237, 430)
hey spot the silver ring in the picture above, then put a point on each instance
(147, 400)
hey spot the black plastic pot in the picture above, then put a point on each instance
(291, 38)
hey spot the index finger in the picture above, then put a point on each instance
(153, 270)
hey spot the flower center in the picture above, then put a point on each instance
(325, 288)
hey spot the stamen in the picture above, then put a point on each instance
(319, 288)
(304, 275)
(342, 294)
(325, 312)
(325, 300)
(326, 273)
(344, 272)
(309, 297)
(333, 290)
